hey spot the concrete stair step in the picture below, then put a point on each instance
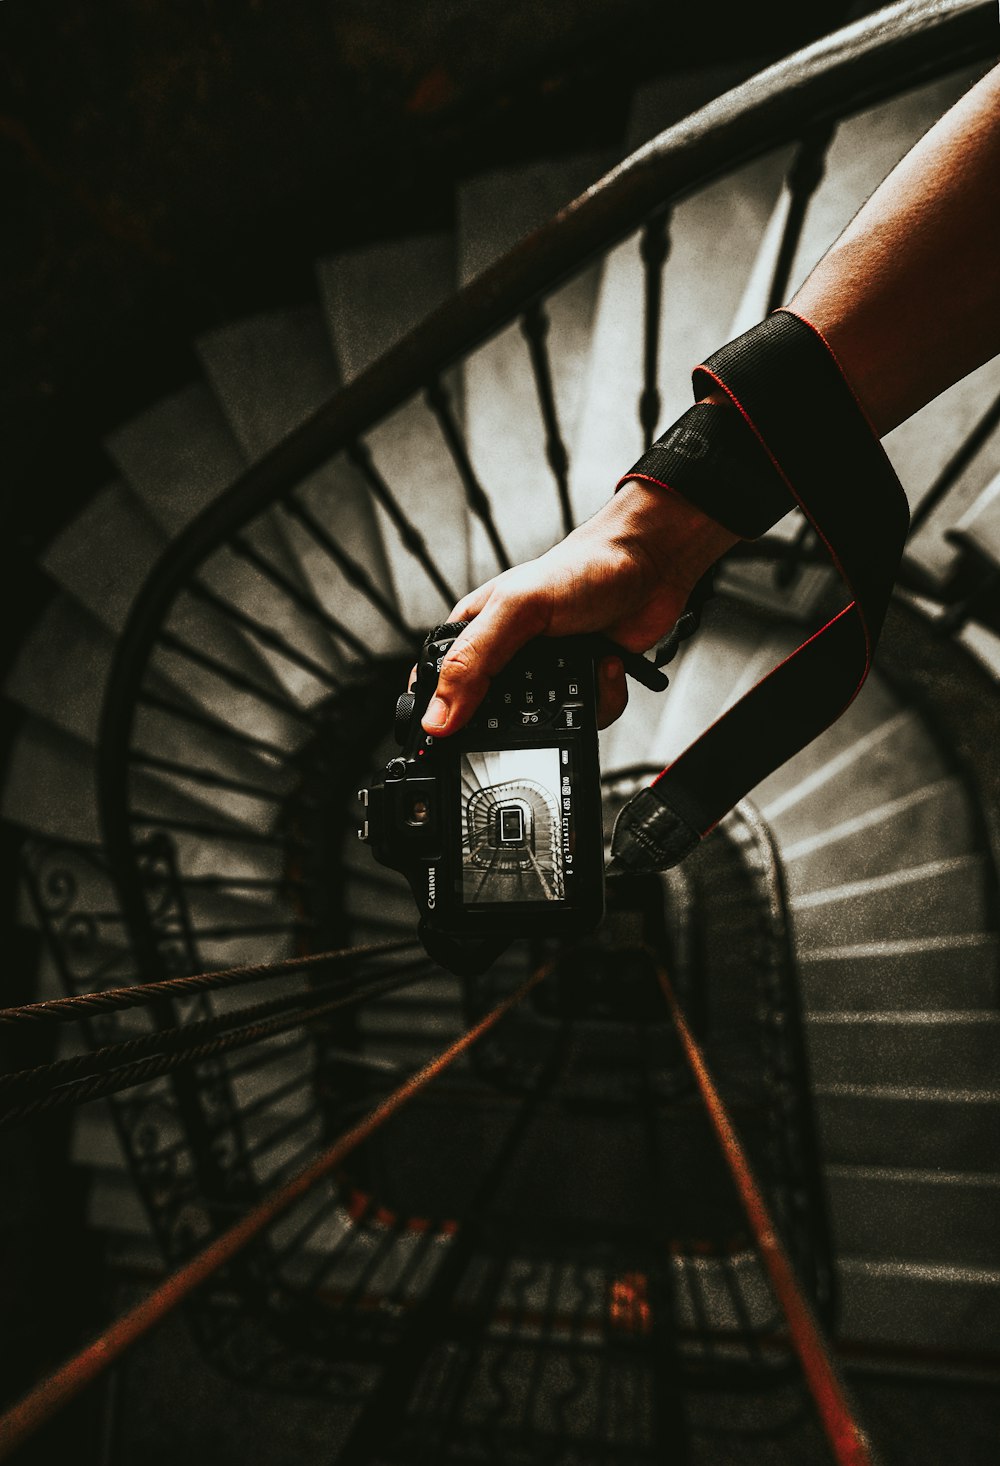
(915, 1215)
(941, 897)
(233, 908)
(220, 852)
(877, 1124)
(370, 903)
(50, 788)
(875, 705)
(495, 211)
(634, 738)
(371, 298)
(62, 667)
(393, 1026)
(250, 704)
(730, 652)
(885, 764)
(922, 446)
(178, 456)
(60, 677)
(247, 947)
(979, 526)
(954, 1049)
(984, 646)
(113, 1207)
(103, 559)
(937, 1306)
(388, 928)
(947, 974)
(270, 372)
(936, 821)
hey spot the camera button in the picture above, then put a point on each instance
(571, 715)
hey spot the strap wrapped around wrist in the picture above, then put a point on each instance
(711, 458)
(792, 400)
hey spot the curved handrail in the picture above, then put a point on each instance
(867, 61)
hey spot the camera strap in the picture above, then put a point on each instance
(797, 436)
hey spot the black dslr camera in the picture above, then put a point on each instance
(498, 828)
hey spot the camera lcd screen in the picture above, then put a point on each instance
(516, 807)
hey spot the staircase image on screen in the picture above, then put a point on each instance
(511, 828)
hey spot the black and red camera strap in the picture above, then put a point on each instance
(797, 436)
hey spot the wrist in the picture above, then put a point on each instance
(678, 541)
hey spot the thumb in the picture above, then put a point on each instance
(487, 644)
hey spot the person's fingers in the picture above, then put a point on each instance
(506, 621)
(612, 691)
(473, 603)
(412, 679)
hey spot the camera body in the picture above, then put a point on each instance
(498, 827)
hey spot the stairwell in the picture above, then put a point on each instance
(889, 868)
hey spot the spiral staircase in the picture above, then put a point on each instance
(213, 678)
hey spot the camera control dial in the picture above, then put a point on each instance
(405, 704)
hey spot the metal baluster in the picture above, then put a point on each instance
(790, 561)
(804, 177)
(350, 569)
(170, 642)
(358, 453)
(981, 599)
(956, 466)
(439, 401)
(653, 250)
(305, 600)
(204, 721)
(267, 636)
(535, 325)
(206, 776)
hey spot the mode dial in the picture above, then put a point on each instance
(405, 704)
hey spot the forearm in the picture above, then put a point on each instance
(909, 295)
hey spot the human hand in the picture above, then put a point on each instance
(627, 572)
